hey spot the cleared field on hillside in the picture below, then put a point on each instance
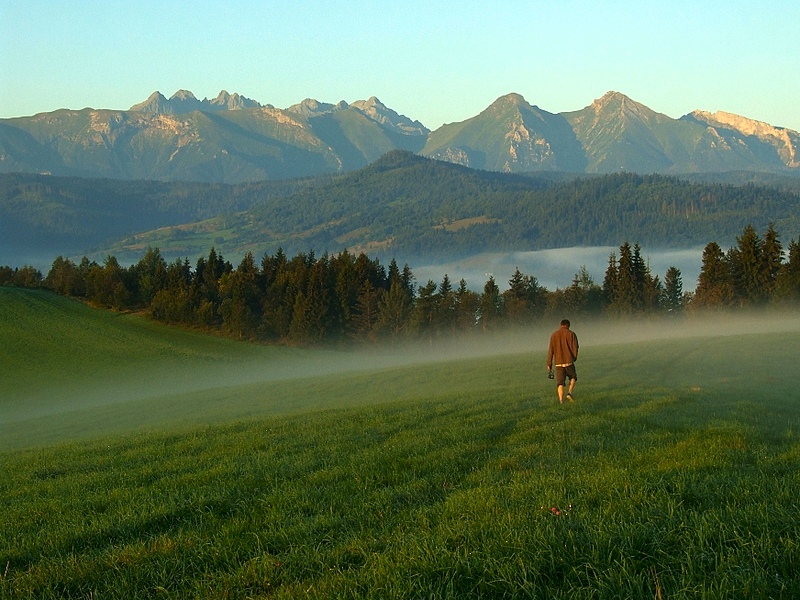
(407, 474)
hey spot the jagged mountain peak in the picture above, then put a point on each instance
(512, 98)
(222, 97)
(310, 107)
(235, 101)
(155, 103)
(509, 135)
(512, 101)
(184, 101)
(614, 98)
(371, 102)
(516, 106)
(785, 141)
(372, 108)
(183, 95)
(733, 121)
(617, 102)
(380, 113)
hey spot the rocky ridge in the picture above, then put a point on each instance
(232, 138)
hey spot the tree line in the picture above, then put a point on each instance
(311, 300)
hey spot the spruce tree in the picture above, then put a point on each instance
(714, 284)
(467, 303)
(425, 309)
(490, 307)
(445, 307)
(787, 282)
(365, 314)
(673, 291)
(626, 285)
(772, 258)
(394, 311)
(748, 267)
(610, 280)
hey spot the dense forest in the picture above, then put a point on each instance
(344, 298)
(75, 214)
(419, 208)
(402, 205)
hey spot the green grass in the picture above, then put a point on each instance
(675, 474)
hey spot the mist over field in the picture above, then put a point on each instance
(76, 373)
(556, 268)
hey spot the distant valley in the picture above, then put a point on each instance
(403, 206)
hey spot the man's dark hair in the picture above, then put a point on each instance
(565, 323)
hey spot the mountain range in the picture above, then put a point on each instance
(234, 139)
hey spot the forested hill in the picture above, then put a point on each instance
(402, 205)
(410, 207)
(42, 215)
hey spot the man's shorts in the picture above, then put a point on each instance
(563, 372)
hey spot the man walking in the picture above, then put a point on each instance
(563, 351)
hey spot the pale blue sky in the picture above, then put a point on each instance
(434, 61)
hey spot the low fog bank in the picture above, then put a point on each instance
(556, 268)
(702, 325)
(184, 392)
(176, 378)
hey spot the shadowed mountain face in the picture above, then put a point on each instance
(233, 139)
(620, 134)
(510, 136)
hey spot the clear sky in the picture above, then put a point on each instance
(431, 60)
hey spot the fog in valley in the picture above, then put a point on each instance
(190, 391)
(556, 268)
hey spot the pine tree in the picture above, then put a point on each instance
(445, 318)
(748, 267)
(583, 296)
(364, 318)
(394, 311)
(772, 258)
(787, 282)
(467, 305)
(425, 310)
(173, 304)
(240, 305)
(106, 285)
(645, 286)
(64, 278)
(714, 284)
(490, 307)
(673, 291)
(626, 286)
(407, 277)
(523, 300)
(610, 280)
(150, 275)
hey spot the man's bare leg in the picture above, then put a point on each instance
(561, 394)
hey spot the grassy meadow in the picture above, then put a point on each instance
(139, 461)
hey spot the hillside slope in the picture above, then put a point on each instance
(413, 208)
(70, 372)
(401, 206)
